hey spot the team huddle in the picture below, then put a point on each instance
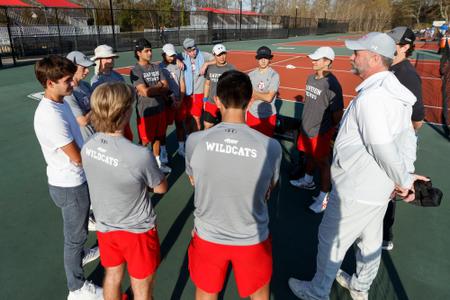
(224, 120)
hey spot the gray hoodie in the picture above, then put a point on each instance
(376, 145)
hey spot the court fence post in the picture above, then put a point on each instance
(8, 25)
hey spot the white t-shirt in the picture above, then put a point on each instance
(55, 126)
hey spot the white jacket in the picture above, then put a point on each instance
(376, 145)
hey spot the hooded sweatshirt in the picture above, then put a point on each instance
(376, 145)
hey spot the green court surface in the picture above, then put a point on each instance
(31, 237)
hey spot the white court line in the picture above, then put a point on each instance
(297, 89)
(274, 64)
(276, 53)
(348, 71)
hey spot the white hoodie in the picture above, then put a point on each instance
(376, 145)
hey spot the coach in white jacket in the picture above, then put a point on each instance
(373, 156)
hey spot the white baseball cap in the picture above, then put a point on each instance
(376, 42)
(322, 52)
(219, 48)
(103, 51)
(169, 50)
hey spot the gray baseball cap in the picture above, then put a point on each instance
(188, 43)
(79, 58)
(376, 42)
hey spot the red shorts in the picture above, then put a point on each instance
(151, 127)
(176, 114)
(318, 146)
(266, 125)
(139, 250)
(208, 264)
(194, 104)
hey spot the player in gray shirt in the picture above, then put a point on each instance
(212, 114)
(231, 216)
(151, 86)
(262, 114)
(176, 105)
(79, 101)
(119, 175)
(321, 113)
(196, 62)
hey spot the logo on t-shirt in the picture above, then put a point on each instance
(261, 85)
(230, 147)
(100, 156)
(151, 77)
(312, 92)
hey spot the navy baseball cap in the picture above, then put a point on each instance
(402, 35)
(264, 52)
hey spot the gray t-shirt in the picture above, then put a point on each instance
(149, 75)
(233, 166)
(265, 82)
(118, 174)
(322, 98)
(213, 73)
(80, 104)
(174, 76)
(113, 76)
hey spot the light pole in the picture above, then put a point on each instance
(295, 20)
(240, 20)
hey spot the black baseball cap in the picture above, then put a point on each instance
(264, 52)
(402, 35)
(142, 43)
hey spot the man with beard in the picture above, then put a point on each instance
(370, 162)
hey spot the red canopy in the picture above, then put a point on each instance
(13, 3)
(229, 11)
(58, 3)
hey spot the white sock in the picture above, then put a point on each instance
(162, 148)
(308, 178)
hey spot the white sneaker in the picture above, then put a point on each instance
(387, 245)
(88, 291)
(163, 167)
(181, 151)
(344, 280)
(91, 223)
(163, 157)
(90, 255)
(319, 204)
(301, 289)
(303, 184)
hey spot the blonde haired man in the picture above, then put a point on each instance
(120, 174)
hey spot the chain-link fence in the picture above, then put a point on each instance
(35, 31)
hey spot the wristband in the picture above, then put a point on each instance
(205, 99)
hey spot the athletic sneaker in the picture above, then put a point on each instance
(303, 184)
(387, 245)
(163, 157)
(344, 280)
(163, 167)
(90, 255)
(319, 204)
(301, 289)
(91, 223)
(88, 291)
(181, 151)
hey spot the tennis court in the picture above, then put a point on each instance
(31, 235)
